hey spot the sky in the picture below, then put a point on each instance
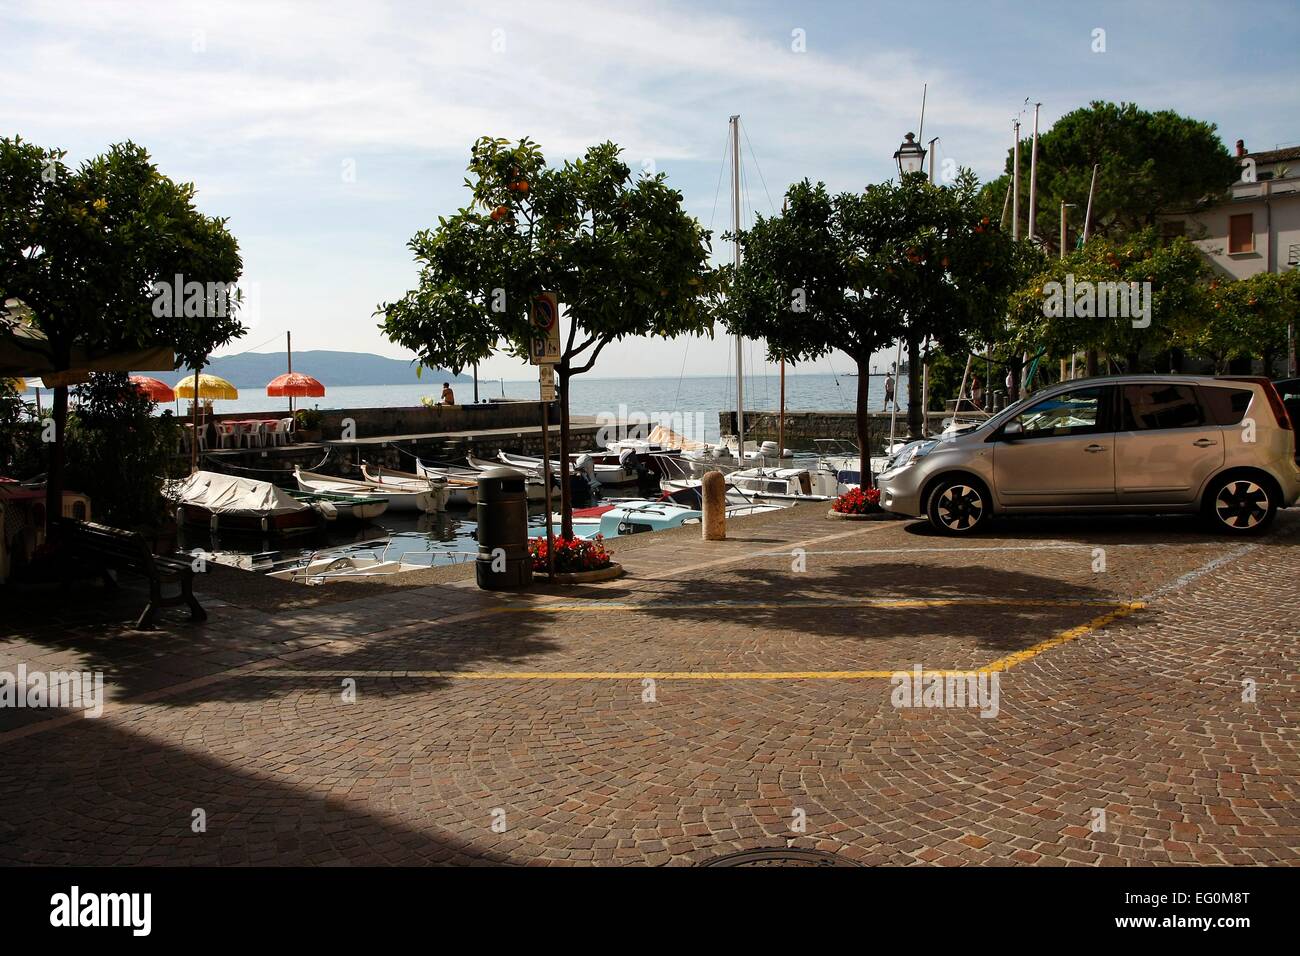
(330, 133)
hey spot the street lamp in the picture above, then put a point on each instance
(909, 156)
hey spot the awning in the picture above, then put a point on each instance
(24, 350)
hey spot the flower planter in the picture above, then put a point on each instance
(869, 516)
(584, 577)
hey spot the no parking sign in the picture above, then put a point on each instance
(544, 349)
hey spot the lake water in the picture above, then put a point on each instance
(690, 404)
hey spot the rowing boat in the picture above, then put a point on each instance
(399, 499)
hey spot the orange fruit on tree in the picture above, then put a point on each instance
(499, 213)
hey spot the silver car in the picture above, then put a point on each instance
(1222, 446)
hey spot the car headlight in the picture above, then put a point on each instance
(913, 451)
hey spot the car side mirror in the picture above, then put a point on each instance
(1012, 430)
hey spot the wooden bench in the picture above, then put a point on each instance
(103, 548)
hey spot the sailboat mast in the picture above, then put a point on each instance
(735, 222)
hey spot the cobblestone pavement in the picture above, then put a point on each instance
(1146, 710)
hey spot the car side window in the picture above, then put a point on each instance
(1154, 405)
(1079, 412)
(1227, 406)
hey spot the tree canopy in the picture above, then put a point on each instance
(856, 270)
(1172, 271)
(619, 252)
(83, 249)
(1150, 162)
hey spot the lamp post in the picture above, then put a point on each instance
(910, 156)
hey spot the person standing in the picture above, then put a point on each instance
(889, 392)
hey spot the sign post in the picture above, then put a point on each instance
(544, 352)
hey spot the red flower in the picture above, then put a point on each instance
(856, 501)
(571, 554)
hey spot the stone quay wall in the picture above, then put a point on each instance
(803, 427)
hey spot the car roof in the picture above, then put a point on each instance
(1140, 377)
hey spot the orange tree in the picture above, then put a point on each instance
(82, 249)
(619, 251)
(1247, 318)
(1068, 304)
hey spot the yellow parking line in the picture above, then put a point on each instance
(618, 675)
(596, 607)
(1019, 657)
(1001, 665)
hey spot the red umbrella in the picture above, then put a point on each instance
(295, 385)
(156, 390)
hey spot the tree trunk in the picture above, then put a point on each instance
(1268, 363)
(914, 409)
(1134, 361)
(1175, 361)
(566, 498)
(865, 478)
(54, 473)
(1239, 366)
(1092, 361)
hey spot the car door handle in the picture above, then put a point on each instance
(1093, 449)
(1204, 442)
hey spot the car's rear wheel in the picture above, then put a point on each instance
(1240, 504)
(959, 506)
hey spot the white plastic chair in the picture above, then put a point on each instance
(251, 434)
(275, 432)
(226, 435)
(287, 428)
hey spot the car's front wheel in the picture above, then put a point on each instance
(1241, 505)
(959, 506)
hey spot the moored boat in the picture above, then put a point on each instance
(398, 498)
(607, 474)
(462, 483)
(334, 507)
(227, 503)
(534, 485)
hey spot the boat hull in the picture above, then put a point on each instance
(398, 499)
(251, 522)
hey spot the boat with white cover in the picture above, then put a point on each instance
(233, 504)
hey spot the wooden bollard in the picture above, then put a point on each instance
(713, 495)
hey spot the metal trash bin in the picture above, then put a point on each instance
(503, 560)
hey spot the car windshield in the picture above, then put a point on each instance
(999, 415)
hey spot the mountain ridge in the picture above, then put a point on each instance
(256, 369)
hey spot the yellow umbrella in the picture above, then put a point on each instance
(17, 384)
(210, 387)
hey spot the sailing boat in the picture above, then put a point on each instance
(762, 482)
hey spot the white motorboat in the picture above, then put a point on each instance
(582, 462)
(429, 500)
(839, 466)
(462, 483)
(785, 485)
(322, 570)
(637, 515)
(534, 485)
